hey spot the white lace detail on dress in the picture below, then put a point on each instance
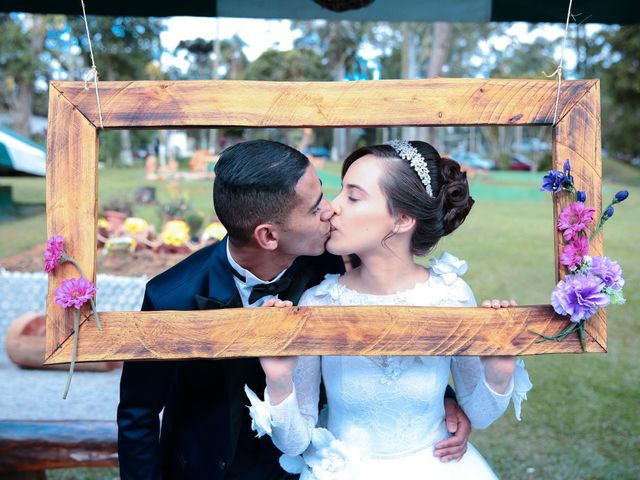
(389, 410)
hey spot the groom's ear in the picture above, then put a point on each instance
(404, 223)
(266, 236)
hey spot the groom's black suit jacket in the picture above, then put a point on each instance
(206, 430)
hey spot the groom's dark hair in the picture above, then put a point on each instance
(255, 183)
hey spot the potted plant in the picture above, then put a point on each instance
(116, 209)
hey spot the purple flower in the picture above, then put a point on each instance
(609, 271)
(581, 196)
(574, 251)
(552, 181)
(53, 252)
(566, 182)
(621, 196)
(579, 296)
(74, 292)
(574, 219)
(608, 213)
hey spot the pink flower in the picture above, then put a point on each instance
(574, 251)
(574, 218)
(74, 292)
(53, 252)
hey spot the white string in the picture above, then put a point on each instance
(558, 71)
(94, 71)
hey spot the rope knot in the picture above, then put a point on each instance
(91, 75)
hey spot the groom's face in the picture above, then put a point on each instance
(306, 229)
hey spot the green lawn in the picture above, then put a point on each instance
(581, 419)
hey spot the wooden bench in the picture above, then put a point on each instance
(29, 447)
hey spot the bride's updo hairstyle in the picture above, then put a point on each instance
(437, 215)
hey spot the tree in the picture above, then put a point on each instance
(123, 47)
(300, 64)
(621, 90)
(293, 65)
(26, 58)
(518, 60)
(338, 43)
(201, 56)
(206, 59)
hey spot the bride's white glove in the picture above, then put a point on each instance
(278, 370)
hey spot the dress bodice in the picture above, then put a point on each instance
(384, 406)
(389, 405)
(387, 408)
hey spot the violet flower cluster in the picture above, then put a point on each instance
(597, 283)
(556, 181)
(591, 282)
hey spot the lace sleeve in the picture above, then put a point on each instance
(291, 422)
(479, 401)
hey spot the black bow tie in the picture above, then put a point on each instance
(274, 288)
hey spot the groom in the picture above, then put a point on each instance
(269, 198)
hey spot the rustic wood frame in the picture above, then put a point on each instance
(72, 207)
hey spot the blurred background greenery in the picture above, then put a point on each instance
(581, 420)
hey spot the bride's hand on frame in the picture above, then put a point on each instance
(495, 303)
(498, 370)
(278, 370)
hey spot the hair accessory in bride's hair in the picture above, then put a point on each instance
(408, 152)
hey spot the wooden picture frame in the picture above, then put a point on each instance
(72, 208)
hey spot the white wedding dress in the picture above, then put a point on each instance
(385, 414)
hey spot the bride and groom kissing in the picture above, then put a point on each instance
(387, 416)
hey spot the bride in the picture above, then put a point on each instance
(385, 413)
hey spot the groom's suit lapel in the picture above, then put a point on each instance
(223, 293)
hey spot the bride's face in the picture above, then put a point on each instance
(362, 219)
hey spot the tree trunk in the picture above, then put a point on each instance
(22, 114)
(213, 132)
(126, 155)
(409, 69)
(437, 59)
(339, 149)
(490, 137)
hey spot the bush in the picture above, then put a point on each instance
(545, 162)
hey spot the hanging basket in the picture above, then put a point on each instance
(343, 5)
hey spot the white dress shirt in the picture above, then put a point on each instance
(244, 288)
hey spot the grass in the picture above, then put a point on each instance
(581, 420)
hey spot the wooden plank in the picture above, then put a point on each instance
(440, 101)
(577, 138)
(360, 330)
(32, 445)
(232, 333)
(72, 204)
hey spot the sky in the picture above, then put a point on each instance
(260, 35)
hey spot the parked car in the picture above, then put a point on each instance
(472, 159)
(520, 162)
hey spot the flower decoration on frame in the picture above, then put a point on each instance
(590, 282)
(72, 293)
